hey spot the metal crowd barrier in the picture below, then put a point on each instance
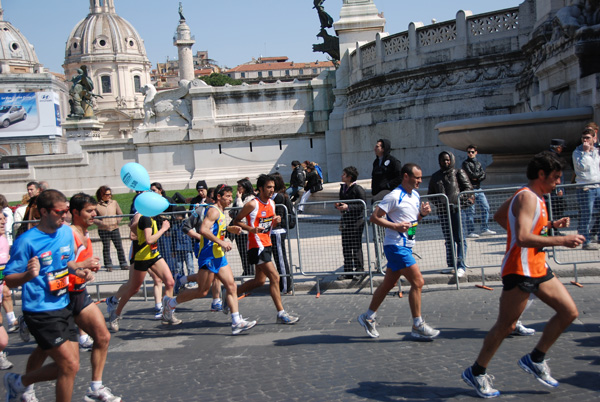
(432, 234)
(328, 245)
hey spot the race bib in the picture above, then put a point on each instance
(58, 281)
(410, 234)
(2, 273)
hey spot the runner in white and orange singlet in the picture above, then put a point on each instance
(524, 271)
(258, 218)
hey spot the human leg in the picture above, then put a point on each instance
(585, 202)
(115, 236)
(136, 279)
(484, 206)
(469, 214)
(90, 319)
(512, 304)
(459, 240)
(105, 238)
(238, 324)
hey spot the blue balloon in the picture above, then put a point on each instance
(135, 176)
(150, 204)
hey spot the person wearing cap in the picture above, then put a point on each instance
(202, 190)
(586, 161)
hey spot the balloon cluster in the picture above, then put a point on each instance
(136, 177)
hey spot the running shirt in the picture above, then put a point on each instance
(261, 216)
(208, 249)
(145, 251)
(401, 206)
(82, 253)
(47, 291)
(528, 261)
(4, 248)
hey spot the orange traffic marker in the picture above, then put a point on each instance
(484, 287)
(579, 285)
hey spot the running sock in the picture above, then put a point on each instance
(477, 369)
(95, 385)
(158, 306)
(10, 317)
(173, 302)
(217, 300)
(235, 318)
(280, 313)
(371, 314)
(417, 321)
(537, 356)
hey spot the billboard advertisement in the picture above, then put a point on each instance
(26, 114)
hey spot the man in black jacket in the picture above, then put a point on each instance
(451, 181)
(296, 180)
(476, 174)
(352, 223)
(386, 170)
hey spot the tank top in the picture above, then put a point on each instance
(208, 248)
(146, 251)
(527, 261)
(261, 216)
(82, 253)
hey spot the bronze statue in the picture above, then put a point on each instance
(326, 20)
(181, 17)
(82, 95)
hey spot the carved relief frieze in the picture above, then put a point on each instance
(484, 74)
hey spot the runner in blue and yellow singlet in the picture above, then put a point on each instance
(212, 261)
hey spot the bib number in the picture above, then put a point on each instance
(58, 281)
(410, 234)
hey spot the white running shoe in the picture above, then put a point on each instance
(4, 363)
(168, 313)
(103, 394)
(488, 232)
(369, 325)
(87, 345)
(522, 330)
(460, 272)
(473, 236)
(242, 326)
(424, 331)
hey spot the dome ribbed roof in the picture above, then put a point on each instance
(103, 35)
(15, 49)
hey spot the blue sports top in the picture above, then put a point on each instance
(48, 291)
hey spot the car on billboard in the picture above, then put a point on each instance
(10, 114)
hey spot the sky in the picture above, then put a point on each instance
(232, 31)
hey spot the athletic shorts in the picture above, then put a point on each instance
(213, 264)
(78, 301)
(525, 283)
(146, 264)
(254, 258)
(398, 257)
(51, 328)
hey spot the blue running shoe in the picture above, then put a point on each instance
(10, 380)
(216, 305)
(287, 319)
(481, 383)
(178, 284)
(541, 371)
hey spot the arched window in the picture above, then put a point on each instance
(106, 84)
(137, 83)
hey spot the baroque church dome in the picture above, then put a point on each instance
(103, 36)
(16, 53)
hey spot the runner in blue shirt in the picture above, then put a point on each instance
(40, 262)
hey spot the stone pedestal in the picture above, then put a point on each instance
(81, 129)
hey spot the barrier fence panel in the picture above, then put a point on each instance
(434, 248)
(485, 239)
(581, 203)
(330, 243)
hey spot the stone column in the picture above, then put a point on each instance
(184, 41)
(359, 23)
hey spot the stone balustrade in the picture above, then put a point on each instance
(468, 35)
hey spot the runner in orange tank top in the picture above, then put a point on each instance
(524, 272)
(529, 262)
(258, 218)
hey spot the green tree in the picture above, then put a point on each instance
(219, 80)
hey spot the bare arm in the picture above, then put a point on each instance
(153, 238)
(238, 221)
(377, 217)
(205, 230)
(524, 209)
